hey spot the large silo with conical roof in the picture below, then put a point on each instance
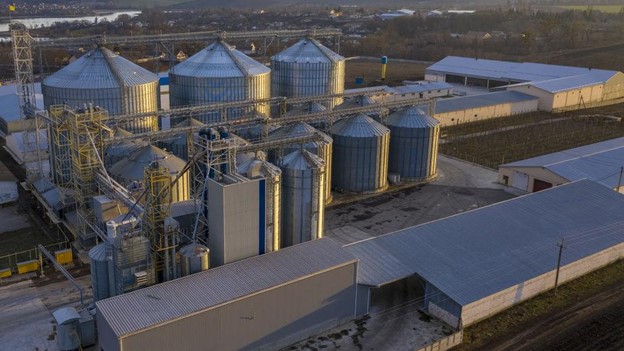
(130, 171)
(414, 137)
(322, 148)
(360, 158)
(303, 203)
(219, 73)
(105, 79)
(307, 68)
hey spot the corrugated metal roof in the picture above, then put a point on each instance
(473, 255)
(294, 130)
(359, 126)
(94, 71)
(10, 102)
(183, 208)
(477, 101)
(574, 82)
(411, 117)
(302, 160)
(307, 51)
(600, 162)
(257, 167)
(362, 100)
(133, 167)
(419, 88)
(165, 302)
(219, 60)
(505, 70)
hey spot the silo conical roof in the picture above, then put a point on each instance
(298, 129)
(133, 167)
(258, 167)
(412, 117)
(100, 68)
(307, 50)
(359, 126)
(219, 60)
(302, 160)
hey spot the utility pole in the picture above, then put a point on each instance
(561, 247)
(620, 179)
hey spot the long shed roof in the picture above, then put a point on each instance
(483, 100)
(159, 304)
(473, 255)
(600, 162)
(506, 70)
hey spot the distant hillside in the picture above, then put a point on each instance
(282, 3)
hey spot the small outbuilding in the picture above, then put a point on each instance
(601, 162)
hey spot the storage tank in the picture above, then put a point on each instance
(323, 148)
(130, 171)
(194, 258)
(114, 152)
(219, 73)
(179, 145)
(308, 68)
(107, 80)
(303, 203)
(360, 157)
(260, 168)
(414, 139)
(99, 272)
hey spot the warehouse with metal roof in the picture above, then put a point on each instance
(261, 303)
(478, 263)
(601, 162)
(559, 88)
(477, 107)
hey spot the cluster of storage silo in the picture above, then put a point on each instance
(259, 201)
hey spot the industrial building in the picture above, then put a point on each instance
(477, 107)
(8, 186)
(476, 264)
(261, 303)
(559, 88)
(600, 162)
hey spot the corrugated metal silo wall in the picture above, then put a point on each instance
(360, 164)
(323, 151)
(185, 91)
(99, 272)
(303, 205)
(413, 152)
(273, 213)
(141, 98)
(182, 189)
(293, 79)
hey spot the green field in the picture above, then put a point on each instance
(601, 8)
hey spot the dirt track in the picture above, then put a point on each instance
(594, 324)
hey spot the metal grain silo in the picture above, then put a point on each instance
(194, 258)
(303, 203)
(414, 139)
(180, 145)
(308, 68)
(323, 148)
(360, 158)
(259, 168)
(99, 272)
(114, 152)
(107, 80)
(130, 170)
(219, 73)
